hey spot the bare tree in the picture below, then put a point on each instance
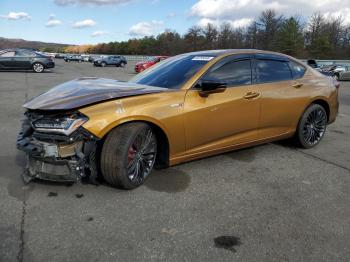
(268, 25)
(225, 36)
(210, 36)
(194, 37)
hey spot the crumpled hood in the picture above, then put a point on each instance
(88, 90)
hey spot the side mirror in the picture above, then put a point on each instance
(211, 86)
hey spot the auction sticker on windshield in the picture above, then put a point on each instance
(202, 58)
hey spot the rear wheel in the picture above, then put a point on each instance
(38, 67)
(128, 155)
(312, 126)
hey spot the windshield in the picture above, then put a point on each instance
(172, 72)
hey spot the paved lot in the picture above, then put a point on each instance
(267, 203)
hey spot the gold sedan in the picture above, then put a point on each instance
(187, 107)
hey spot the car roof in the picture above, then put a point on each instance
(221, 52)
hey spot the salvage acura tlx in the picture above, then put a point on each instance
(186, 107)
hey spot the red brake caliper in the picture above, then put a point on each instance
(131, 154)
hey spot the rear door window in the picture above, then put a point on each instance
(24, 53)
(272, 71)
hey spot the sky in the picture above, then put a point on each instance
(97, 21)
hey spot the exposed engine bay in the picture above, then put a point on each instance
(58, 148)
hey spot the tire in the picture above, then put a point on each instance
(128, 155)
(38, 67)
(103, 64)
(311, 127)
(122, 64)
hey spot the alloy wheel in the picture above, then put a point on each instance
(141, 156)
(37, 67)
(314, 126)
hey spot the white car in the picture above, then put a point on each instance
(343, 75)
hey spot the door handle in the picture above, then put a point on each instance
(297, 85)
(251, 95)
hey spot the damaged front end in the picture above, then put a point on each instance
(58, 148)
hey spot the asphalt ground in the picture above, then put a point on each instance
(269, 203)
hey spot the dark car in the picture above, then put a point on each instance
(60, 56)
(22, 59)
(77, 58)
(116, 60)
(312, 63)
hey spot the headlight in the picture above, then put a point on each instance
(63, 125)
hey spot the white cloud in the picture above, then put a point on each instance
(99, 33)
(344, 13)
(16, 16)
(53, 21)
(145, 28)
(84, 23)
(90, 2)
(241, 22)
(238, 11)
(217, 22)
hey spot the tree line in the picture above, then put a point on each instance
(320, 38)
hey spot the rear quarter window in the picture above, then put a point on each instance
(298, 70)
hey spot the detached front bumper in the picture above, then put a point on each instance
(56, 157)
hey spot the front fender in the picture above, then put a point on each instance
(164, 110)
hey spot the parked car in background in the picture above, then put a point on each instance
(140, 66)
(85, 58)
(22, 59)
(77, 58)
(312, 63)
(333, 70)
(190, 106)
(92, 58)
(344, 74)
(60, 56)
(115, 60)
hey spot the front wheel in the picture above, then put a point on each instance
(128, 155)
(103, 64)
(122, 64)
(38, 67)
(311, 127)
